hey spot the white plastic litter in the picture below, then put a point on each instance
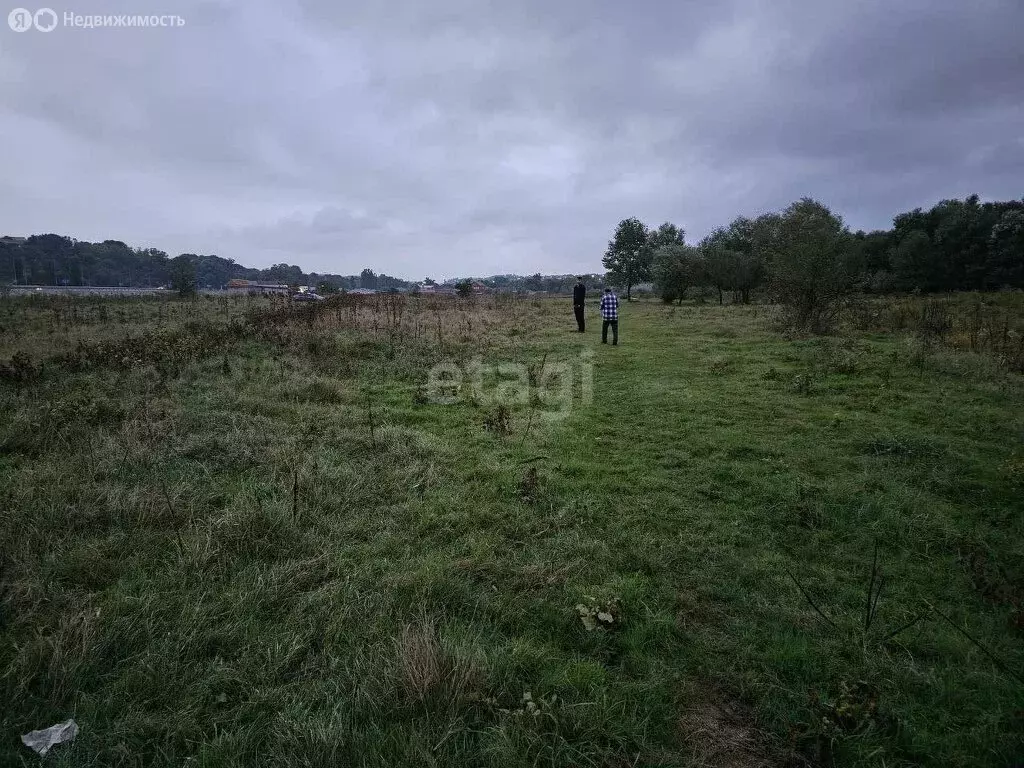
(46, 739)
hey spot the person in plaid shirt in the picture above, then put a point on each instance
(610, 315)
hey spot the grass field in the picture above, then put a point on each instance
(722, 547)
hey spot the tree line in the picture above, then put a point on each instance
(807, 259)
(52, 259)
(556, 284)
(58, 260)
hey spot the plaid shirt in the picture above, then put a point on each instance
(610, 306)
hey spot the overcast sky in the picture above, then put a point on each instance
(454, 137)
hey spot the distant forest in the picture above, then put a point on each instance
(59, 260)
(956, 245)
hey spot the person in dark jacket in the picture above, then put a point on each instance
(579, 293)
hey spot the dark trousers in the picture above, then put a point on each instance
(615, 331)
(580, 320)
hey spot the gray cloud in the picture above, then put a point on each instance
(461, 136)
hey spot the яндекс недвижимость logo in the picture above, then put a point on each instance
(46, 20)
(22, 19)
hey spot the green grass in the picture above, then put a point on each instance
(47, 326)
(225, 564)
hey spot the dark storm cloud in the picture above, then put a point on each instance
(461, 136)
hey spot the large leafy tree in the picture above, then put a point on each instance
(808, 250)
(675, 269)
(183, 274)
(735, 256)
(628, 257)
(735, 271)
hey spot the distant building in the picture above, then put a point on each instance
(246, 287)
(362, 291)
(10, 240)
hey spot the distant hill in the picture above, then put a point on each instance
(58, 260)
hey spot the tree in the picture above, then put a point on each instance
(153, 267)
(748, 274)
(214, 272)
(960, 256)
(871, 258)
(628, 257)
(429, 281)
(1005, 263)
(45, 255)
(808, 252)
(914, 262)
(464, 288)
(287, 274)
(367, 279)
(666, 234)
(734, 256)
(325, 288)
(739, 236)
(675, 270)
(183, 274)
(735, 271)
(718, 263)
(388, 283)
(961, 241)
(874, 250)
